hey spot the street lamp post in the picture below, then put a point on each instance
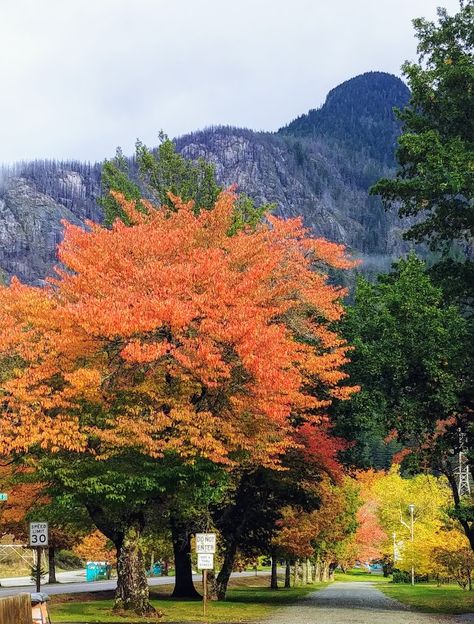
(412, 509)
(394, 549)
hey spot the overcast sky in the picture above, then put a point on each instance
(79, 77)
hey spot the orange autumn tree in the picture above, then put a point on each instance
(325, 534)
(186, 320)
(22, 498)
(295, 536)
(95, 547)
(28, 502)
(170, 336)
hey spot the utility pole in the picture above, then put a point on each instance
(410, 527)
(38, 570)
(394, 535)
(462, 470)
(412, 509)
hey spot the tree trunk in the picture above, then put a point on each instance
(295, 578)
(274, 575)
(305, 572)
(183, 585)
(211, 585)
(317, 571)
(132, 592)
(225, 571)
(52, 565)
(287, 574)
(132, 587)
(325, 573)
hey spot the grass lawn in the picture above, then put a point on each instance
(359, 575)
(431, 598)
(248, 599)
(423, 597)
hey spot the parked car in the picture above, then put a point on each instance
(39, 609)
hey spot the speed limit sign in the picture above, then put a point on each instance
(38, 534)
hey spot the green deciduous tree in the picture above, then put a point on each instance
(412, 362)
(436, 149)
(408, 355)
(435, 186)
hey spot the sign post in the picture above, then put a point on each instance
(38, 540)
(205, 549)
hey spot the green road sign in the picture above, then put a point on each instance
(3, 497)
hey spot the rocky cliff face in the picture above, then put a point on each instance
(32, 215)
(30, 230)
(303, 178)
(319, 167)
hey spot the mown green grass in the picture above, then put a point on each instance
(359, 575)
(249, 599)
(428, 597)
(431, 598)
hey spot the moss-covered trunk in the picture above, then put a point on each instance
(296, 573)
(132, 592)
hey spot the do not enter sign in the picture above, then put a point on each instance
(38, 534)
(205, 543)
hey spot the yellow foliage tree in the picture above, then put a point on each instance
(438, 548)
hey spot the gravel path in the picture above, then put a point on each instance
(356, 603)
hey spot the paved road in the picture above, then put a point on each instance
(356, 603)
(72, 576)
(84, 587)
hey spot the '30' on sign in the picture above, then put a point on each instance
(38, 534)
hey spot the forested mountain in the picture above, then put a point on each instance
(357, 117)
(319, 166)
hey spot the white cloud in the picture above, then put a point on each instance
(79, 78)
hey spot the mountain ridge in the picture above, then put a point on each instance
(319, 166)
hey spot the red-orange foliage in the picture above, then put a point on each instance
(321, 448)
(369, 536)
(171, 335)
